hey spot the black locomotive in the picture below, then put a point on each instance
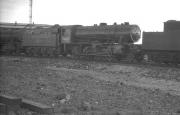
(104, 41)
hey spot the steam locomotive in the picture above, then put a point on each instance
(104, 41)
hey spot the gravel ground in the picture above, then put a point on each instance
(79, 94)
(166, 73)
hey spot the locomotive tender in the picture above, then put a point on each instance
(163, 47)
(41, 40)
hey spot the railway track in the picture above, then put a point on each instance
(105, 61)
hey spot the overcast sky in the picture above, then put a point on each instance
(148, 14)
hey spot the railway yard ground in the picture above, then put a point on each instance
(79, 87)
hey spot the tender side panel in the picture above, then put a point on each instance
(40, 38)
(167, 41)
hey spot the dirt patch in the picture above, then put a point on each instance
(165, 85)
(85, 91)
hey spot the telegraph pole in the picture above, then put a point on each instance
(30, 11)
